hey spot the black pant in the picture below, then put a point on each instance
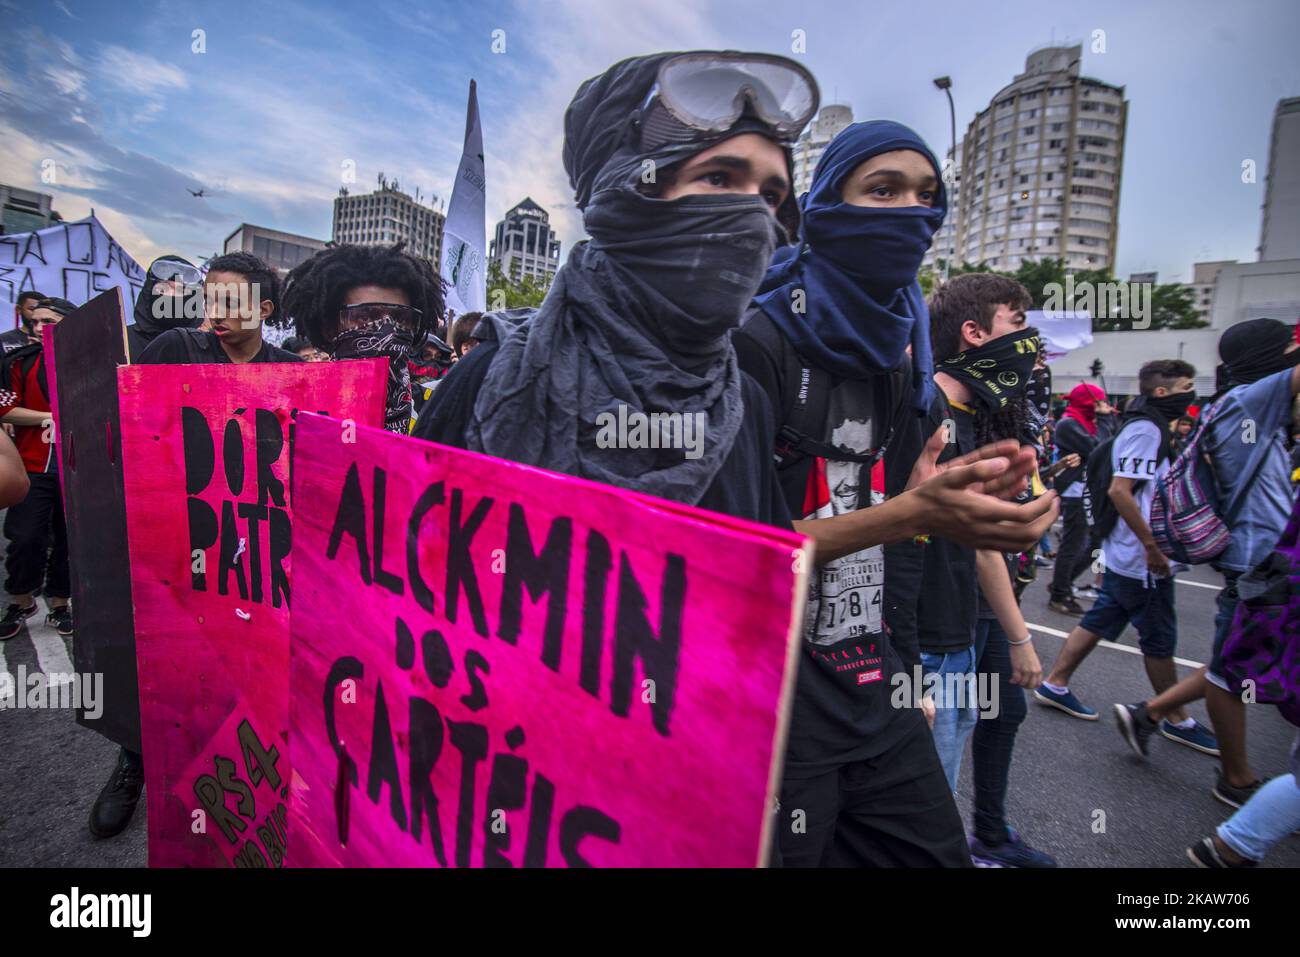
(30, 525)
(994, 738)
(1074, 556)
(894, 810)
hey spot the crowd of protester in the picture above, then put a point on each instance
(915, 442)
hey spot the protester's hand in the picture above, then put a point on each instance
(1157, 561)
(1073, 460)
(958, 505)
(1026, 669)
(1008, 484)
(928, 709)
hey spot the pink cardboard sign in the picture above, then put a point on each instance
(496, 665)
(240, 780)
(207, 459)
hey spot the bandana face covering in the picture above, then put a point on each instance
(997, 371)
(384, 336)
(1171, 406)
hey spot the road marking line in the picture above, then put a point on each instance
(7, 698)
(52, 654)
(1184, 581)
(1055, 633)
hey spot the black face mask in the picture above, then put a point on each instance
(997, 371)
(397, 343)
(1171, 406)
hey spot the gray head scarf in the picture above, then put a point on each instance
(639, 316)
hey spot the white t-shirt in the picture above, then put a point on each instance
(1134, 455)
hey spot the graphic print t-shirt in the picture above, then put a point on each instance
(842, 711)
(1135, 455)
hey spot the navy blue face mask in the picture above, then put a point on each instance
(880, 246)
(861, 305)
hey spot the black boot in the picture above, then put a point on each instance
(116, 803)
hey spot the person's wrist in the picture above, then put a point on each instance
(1029, 637)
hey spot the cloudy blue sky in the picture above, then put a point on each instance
(288, 92)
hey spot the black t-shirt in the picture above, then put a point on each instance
(745, 486)
(936, 589)
(190, 346)
(842, 710)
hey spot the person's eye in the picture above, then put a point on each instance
(883, 192)
(926, 197)
(717, 179)
(773, 199)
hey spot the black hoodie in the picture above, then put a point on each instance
(148, 326)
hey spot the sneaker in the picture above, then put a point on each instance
(1205, 854)
(1013, 852)
(61, 619)
(12, 622)
(1065, 702)
(1089, 592)
(1197, 737)
(1066, 606)
(1232, 795)
(1042, 562)
(1134, 725)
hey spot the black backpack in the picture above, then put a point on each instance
(1098, 471)
(806, 402)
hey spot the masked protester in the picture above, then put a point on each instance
(680, 164)
(828, 338)
(975, 638)
(1088, 420)
(1262, 364)
(1137, 581)
(360, 302)
(171, 298)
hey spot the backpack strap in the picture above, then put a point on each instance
(806, 390)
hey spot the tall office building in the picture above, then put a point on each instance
(280, 250)
(1041, 166)
(1280, 234)
(830, 121)
(525, 245)
(386, 216)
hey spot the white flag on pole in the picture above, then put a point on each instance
(464, 242)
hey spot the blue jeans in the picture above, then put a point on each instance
(955, 705)
(1270, 815)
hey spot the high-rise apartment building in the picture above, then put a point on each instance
(1280, 233)
(1041, 167)
(830, 121)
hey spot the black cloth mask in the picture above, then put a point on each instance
(396, 342)
(997, 371)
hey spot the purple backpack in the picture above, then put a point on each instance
(1190, 519)
(1263, 645)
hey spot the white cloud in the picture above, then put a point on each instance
(137, 72)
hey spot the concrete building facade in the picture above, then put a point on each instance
(386, 216)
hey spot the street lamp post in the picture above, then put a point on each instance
(945, 83)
